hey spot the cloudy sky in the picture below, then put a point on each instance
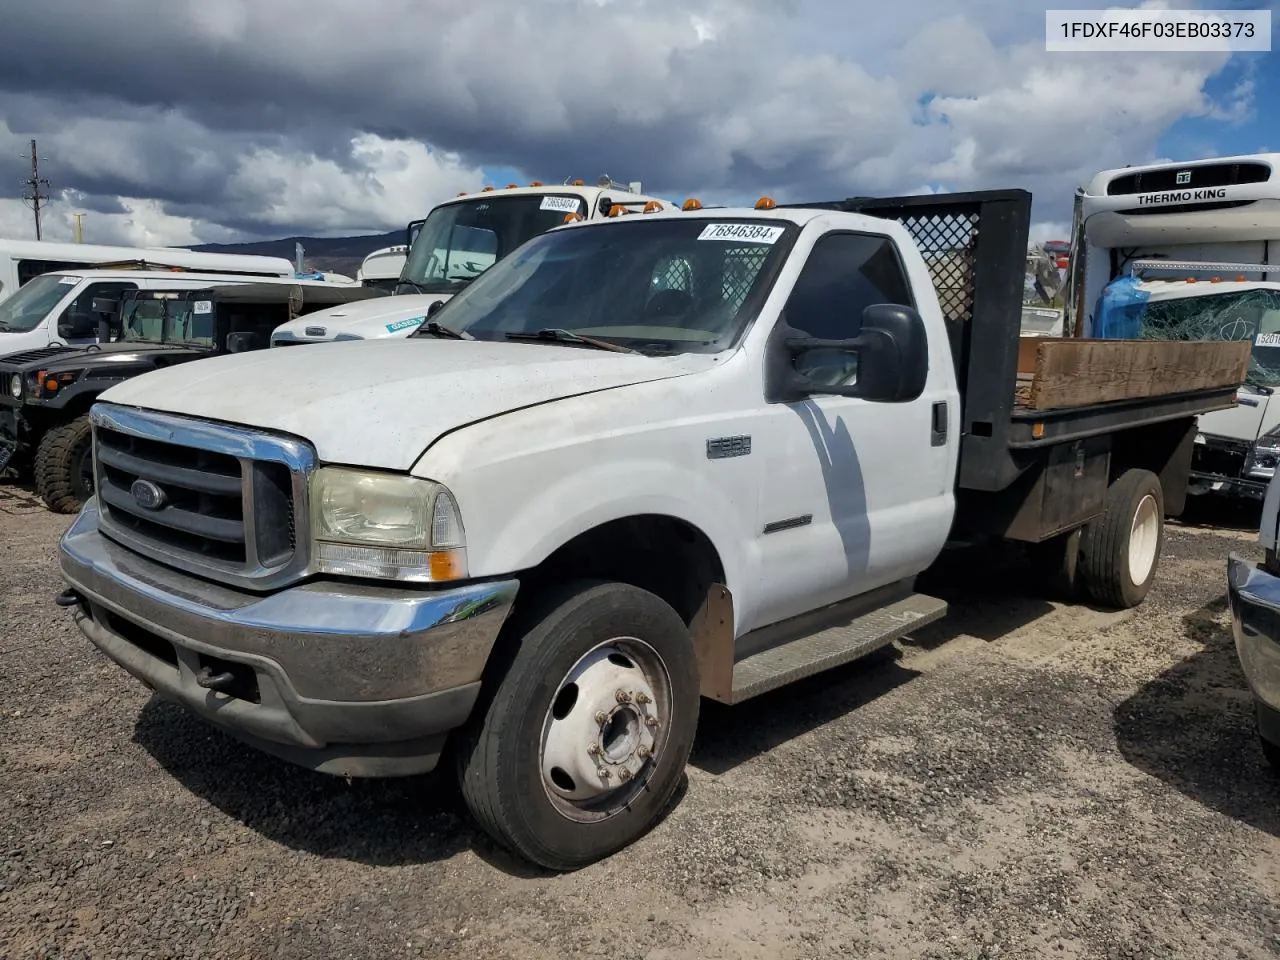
(188, 121)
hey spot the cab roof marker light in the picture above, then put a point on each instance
(572, 217)
(766, 203)
(486, 189)
(693, 203)
(512, 186)
(653, 206)
(535, 183)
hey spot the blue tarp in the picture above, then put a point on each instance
(1118, 314)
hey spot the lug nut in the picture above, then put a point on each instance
(622, 696)
(624, 774)
(593, 749)
(652, 722)
(642, 697)
(601, 717)
(605, 774)
(642, 751)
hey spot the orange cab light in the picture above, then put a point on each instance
(535, 183)
(618, 210)
(1191, 279)
(570, 217)
(512, 186)
(653, 206)
(462, 193)
(579, 182)
(1240, 278)
(765, 203)
(486, 189)
(691, 204)
(1215, 279)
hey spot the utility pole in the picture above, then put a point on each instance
(34, 183)
(79, 227)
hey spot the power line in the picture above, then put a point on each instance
(34, 183)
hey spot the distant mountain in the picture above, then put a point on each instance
(332, 254)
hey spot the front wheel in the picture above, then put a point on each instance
(1120, 548)
(584, 738)
(64, 466)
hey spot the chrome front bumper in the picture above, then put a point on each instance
(357, 680)
(1253, 596)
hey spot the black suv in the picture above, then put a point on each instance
(45, 394)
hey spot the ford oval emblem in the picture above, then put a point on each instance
(147, 495)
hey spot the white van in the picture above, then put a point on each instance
(54, 309)
(459, 240)
(21, 261)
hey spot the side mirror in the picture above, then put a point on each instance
(76, 323)
(411, 232)
(240, 342)
(434, 308)
(887, 362)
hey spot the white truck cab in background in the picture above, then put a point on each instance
(1215, 223)
(457, 242)
(382, 268)
(21, 261)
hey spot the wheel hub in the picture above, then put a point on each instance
(603, 727)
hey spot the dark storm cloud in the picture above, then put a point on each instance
(180, 100)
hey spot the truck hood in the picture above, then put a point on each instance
(394, 316)
(382, 403)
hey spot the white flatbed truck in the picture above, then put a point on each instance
(650, 459)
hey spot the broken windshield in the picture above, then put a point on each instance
(460, 241)
(1252, 315)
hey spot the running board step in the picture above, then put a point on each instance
(832, 647)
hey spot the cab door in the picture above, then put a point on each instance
(856, 494)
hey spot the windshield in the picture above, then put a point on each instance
(460, 241)
(27, 308)
(659, 286)
(167, 320)
(1237, 315)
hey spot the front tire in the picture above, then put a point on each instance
(64, 466)
(584, 738)
(1120, 549)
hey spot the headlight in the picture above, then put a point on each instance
(15, 386)
(386, 526)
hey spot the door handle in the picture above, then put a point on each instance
(938, 432)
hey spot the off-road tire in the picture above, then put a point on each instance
(1104, 546)
(498, 751)
(58, 460)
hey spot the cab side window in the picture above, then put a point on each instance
(844, 274)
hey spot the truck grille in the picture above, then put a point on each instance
(218, 501)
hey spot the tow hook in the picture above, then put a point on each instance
(68, 598)
(209, 680)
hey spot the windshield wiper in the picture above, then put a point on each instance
(560, 335)
(437, 329)
(408, 283)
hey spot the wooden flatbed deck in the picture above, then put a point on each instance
(1056, 373)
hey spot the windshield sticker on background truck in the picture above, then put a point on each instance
(1267, 340)
(202, 306)
(561, 204)
(69, 280)
(744, 232)
(401, 324)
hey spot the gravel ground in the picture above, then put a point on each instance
(1021, 780)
